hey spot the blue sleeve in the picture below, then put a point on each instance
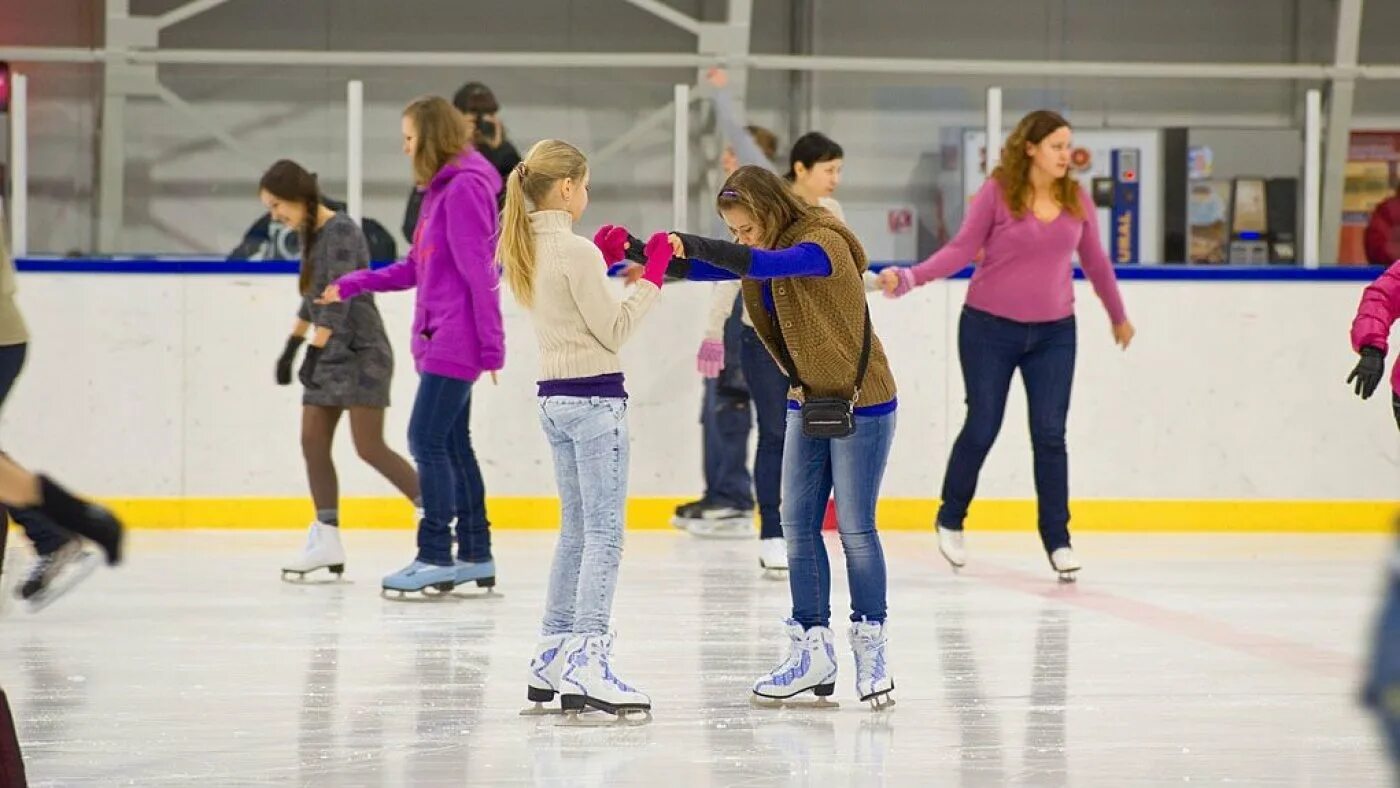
(701, 271)
(805, 259)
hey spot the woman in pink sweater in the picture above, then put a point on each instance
(1028, 219)
(1370, 332)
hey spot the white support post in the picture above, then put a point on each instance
(680, 173)
(355, 149)
(1341, 100)
(1312, 179)
(993, 128)
(19, 165)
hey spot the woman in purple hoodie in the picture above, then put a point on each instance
(457, 335)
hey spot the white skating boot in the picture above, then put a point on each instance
(546, 668)
(810, 666)
(322, 551)
(772, 556)
(56, 573)
(589, 682)
(873, 680)
(1065, 564)
(950, 544)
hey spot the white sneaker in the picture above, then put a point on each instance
(322, 551)
(772, 554)
(1064, 562)
(873, 680)
(950, 544)
(810, 666)
(588, 679)
(546, 667)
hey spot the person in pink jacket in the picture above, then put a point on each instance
(1370, 331)
(1028, 220)
(457, 335)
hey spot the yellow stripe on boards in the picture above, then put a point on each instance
(894, 514)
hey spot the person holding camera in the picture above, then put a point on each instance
(479, 107)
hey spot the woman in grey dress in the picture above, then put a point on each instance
(348, 365)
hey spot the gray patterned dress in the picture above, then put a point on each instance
(358, 363)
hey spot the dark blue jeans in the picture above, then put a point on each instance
(440, 441)
(726, 420)
(46, 536)
(768, 388)
(991, 349)
(850, 470)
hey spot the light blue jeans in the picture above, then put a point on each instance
(589, 438)
(850, 470)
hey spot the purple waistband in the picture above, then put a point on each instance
(609, 385)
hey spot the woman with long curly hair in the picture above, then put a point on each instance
(1029, 219)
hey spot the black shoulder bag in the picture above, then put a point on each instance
(826, 417)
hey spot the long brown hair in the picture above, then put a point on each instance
(1013, 173)
(288, 181)
(548, 162)
(767, 198)
(442, 134)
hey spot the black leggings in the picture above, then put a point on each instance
(1395, 406)
(46, 536)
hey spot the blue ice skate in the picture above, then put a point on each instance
(419, 577)
(483, 573)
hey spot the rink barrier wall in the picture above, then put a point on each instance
(153, 391)
(893, 514)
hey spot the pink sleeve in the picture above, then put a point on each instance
(1379, 308)
(471, 235)
(398, 276)
(976, 227)
(1095, 263)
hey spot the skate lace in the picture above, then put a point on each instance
(870, 658)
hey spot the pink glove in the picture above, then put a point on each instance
(906, 283)
(658, 253)
(612, 242)
(710, 360)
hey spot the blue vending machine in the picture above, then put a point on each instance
(1125, 212)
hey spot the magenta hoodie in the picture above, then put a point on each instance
(1380, 307)
(457, 330)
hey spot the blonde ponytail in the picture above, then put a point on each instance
(527, 186)
(515, 251)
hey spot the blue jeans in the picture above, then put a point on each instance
(45, 536)
(768, 387)
(588, 436)
(725, 421)
(851, 467)
(440, 443)
(991, 349)
(1381, 691)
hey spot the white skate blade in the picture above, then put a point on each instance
(733, 528)
(541, 710)
(880, 701)
(775, 574)
(436, 592)
(1068, 575)
(796, 703)
(335, 574)
(76, 572)
(591, 717)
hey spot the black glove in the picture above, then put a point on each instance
(636, 250)
(1368, 372)
(732, 257)
(308, 367)
(284, 364)
(1395, 406)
